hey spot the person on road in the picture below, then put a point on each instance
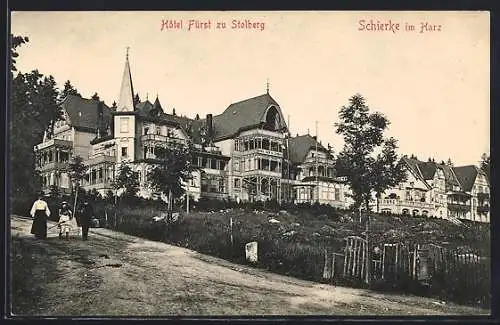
(85, 218)
(65, 219)
(40, 212)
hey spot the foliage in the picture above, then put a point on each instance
(15, 42)
(127, 180)
(172, 168)
(34, 108)
(363, 136)
(77, 170)
(485, 164)
(69, 90)
(95, 97)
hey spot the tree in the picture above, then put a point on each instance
(77, 171)
(173, 112)
(363, 136)
(485, 164)
(128, 181)
(388, 170)
(113, 106)
(69, 90)
(15, 42)
(137, 99)
(449, 162)
(34, 112)
(95, 97)
(172, 168)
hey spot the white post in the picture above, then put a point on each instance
(187, 197)
(231, 228)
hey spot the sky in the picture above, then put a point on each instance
(432, 84)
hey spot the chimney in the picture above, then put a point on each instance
(209, 125)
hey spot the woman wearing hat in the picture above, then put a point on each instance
(65, 218)
(40, 212)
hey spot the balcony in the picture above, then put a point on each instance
(158, 138)
(50, 166)
(258, 172)
(263, 152)
(406, 204)
(319, 160)
(483, 209)
(54, 143)
(99, 159)
(461, 207)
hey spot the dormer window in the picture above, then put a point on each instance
(146, 131)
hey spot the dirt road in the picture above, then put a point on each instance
(115, 274)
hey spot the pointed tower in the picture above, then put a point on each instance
(157, 105)
(126, 99)
(124, 119)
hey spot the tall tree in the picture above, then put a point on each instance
(127, 180)
(69, 89)
(137, 99)
(34, 110)
(95, 97)
(77, 171)
(15, 42)
(485, 164)
(173, 167)
(388, 170)
(365, 171)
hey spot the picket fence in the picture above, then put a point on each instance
(450, 273)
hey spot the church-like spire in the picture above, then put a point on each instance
(126, 99)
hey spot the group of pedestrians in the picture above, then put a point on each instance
(67, 221)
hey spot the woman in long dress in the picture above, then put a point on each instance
(39, 212)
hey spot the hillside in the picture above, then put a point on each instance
(115, 274)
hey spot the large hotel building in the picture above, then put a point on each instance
(244, 153)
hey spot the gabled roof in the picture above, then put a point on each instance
(300, 146)
(450, 177)
(83, 113)
(413, 166)
(243, 115)
(466, 175)
(144, 107)
(427, 169)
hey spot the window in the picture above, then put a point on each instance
(124, 124)
(124, 151)
(237, 183)
(236, 165)
(200, 161)
(146, 131)
(158, 130)
(213, 164)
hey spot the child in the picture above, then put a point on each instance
(65, 218)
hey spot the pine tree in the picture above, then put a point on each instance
(69, 90)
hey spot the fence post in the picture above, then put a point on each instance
(345, 257)
(333, 267)
(383, 263)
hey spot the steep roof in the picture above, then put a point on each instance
(427, 169)
(450, 177)
(244, 114)
(83, 113)
(144, 106)
(300, 146)
(466, 175)
(126, 99)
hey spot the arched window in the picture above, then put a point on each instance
(273, 120)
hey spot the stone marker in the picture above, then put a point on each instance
(251, 251)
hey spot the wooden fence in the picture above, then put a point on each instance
(455, 275)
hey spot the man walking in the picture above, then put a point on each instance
(85, 217)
